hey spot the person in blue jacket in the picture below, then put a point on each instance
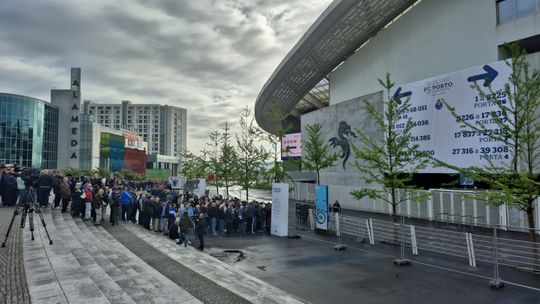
(125, 204)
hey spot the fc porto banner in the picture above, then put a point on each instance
(437, 131)
(321, 196)
(176, 182)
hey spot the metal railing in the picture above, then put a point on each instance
(469, 246)
(459, 208)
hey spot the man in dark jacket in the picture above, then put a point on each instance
(44, 184)
(229, 218)
(201, 229)
(156, 213)
(173, 232)
(148, 210)
(212, 214)
(115, 205)
(9, 186)
(56, 180)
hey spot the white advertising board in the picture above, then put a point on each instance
(176, 182)
(437, 131)
(202, 187)
(280, 209)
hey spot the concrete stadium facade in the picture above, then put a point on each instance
(416, 40)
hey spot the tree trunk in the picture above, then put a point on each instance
(532, 234)
(530, 220)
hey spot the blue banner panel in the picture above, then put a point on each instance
(321, 196)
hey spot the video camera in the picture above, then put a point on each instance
(29, 175)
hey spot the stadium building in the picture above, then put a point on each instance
(425, 45)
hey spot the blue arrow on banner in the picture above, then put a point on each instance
(398, 95)
(488, 77)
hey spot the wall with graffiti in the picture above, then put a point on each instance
(340, 123)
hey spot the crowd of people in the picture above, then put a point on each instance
(153, 205)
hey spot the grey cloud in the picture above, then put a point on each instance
(209, 56)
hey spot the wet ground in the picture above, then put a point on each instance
(313, 270)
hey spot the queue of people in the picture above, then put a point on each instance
(153, 205)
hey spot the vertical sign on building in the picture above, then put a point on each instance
(280, 209)
(321, 196)
(75, 125)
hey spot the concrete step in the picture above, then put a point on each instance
(54, 272)
(88, 257)
(137, 277)
(143, 283)
(86, 265)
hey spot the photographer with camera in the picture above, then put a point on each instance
(26, 206)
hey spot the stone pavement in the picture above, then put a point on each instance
(202, 288)
(85, 266)
(13, 288)
(247, 286)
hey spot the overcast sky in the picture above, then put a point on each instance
(210, 57)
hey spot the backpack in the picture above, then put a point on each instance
(88, 196)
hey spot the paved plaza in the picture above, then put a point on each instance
(128, 264)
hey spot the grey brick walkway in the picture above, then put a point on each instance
(13, 288)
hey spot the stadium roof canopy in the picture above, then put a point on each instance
(299, 83)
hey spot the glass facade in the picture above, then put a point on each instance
(28, 132)
(510, 10)
(111, 152)
(85, 154)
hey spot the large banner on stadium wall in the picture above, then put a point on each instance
(280, 209)
(436, 130)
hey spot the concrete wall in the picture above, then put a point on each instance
(69, 103)
(435, 37)
(343, 178)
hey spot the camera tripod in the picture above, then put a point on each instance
(27, 207)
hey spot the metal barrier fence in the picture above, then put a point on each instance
(442, 205)
(470, 247)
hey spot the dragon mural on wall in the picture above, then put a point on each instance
(344, 131)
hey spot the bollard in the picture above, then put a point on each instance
(402, 261)
(496, 283)
(340, 245)
(311, 223)
(413, 241)
(470, 249)
(369, 224)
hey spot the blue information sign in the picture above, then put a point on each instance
(321, 196)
